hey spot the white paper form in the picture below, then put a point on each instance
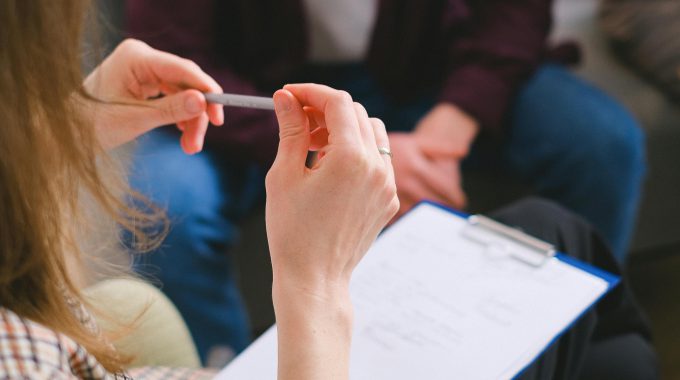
(431, 304)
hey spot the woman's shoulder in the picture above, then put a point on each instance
(31, 350)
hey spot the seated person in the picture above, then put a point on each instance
(53, 146)
(463, 86)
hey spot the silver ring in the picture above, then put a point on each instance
(385, 151)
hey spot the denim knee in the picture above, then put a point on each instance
(577, 145)
(586, 133)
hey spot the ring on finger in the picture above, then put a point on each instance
(384, 150)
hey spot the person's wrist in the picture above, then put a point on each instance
(308, 303)
(314, 327)
(315, 289)
(447, 128)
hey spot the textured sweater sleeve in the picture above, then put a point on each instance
(500, 50)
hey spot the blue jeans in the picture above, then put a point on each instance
(568, 140)
(205, 196)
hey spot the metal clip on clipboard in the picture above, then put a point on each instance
(503, 240)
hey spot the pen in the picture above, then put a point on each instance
(246, 101)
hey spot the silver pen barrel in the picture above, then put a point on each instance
(245, 101)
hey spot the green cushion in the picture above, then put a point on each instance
(159, 336)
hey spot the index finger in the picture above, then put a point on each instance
(337, 107)
(171, 69)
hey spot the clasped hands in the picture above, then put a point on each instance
(427, 160)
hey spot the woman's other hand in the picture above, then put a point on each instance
(320, 223)
(321, 220)
(142, 88)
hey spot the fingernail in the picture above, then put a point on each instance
(281, 102)
(193, 105)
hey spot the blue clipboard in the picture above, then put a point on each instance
(495, 227)
(259, 360)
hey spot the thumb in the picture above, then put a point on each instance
(294, 137)
(175, 108)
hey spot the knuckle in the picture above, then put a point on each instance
(342, 97)
(380, 176)
(388, 193)
(362, 167)
(394, 206)
(378, 123)
(191, 64)
(131, 44)
(354, 155)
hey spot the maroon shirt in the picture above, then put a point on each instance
(477, 51)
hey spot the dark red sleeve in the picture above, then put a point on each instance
(187, 28)
(503, 46)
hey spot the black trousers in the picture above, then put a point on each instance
(612, 340)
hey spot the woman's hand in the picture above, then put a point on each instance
(320, 223)
(141, 88)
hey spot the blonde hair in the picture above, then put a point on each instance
(50, 160)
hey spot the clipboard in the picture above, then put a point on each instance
(442, 295)
(495, 236)
(491, 233)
